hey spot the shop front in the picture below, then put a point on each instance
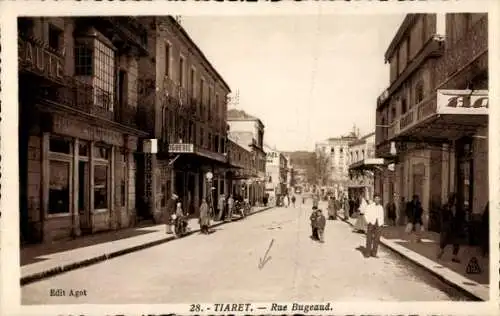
(81, 178)
(443, 142)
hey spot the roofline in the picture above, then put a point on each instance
(247, 119)
(205, 59)
(405, 25)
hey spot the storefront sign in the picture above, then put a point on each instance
(74, 128)
(39, 59)
(471, 102)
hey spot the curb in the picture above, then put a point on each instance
(445, 280)
(87, 262)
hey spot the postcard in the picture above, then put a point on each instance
(210, 158)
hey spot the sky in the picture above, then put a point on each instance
(307, 77)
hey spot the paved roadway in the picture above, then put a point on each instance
(223, 267)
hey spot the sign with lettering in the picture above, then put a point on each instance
(39, 59)
(469, 102)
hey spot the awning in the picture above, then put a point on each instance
(369, 164)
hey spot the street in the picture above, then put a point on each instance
(231, 265)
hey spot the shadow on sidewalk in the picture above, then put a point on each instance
(362, 250)
(30, 253)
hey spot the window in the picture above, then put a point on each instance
(60, 145)
(25, 26)
(59, 187)
(192, 82)
(164, 195)
(101, 152)
(168, 54)
(181, 71)
(83, 149)
(100, 187)
(132, 82)
(332, 150)
(419, 92)
(393, 114)
(209, 103)
(83, 60)
(55, 37)
(404, 107)
(202, 137)
(104, 75)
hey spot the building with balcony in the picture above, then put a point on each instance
(432, 121)
(276, 172)
(243, 170)
(336, 152)
(362, 165)
(79, 124)
(248, 131)
(188, 127)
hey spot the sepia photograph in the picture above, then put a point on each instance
(244, 164)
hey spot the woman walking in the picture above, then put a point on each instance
(361, 223)
(204, 217)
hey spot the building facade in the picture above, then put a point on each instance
(433, 118)
(248, 132)
(80, 121)
(362, 164)
(188, 136)
(276, 172)
(244, 169)
(336, 152)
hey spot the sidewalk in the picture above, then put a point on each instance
(424, 254)
(45, 260)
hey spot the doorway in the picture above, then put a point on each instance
(84, 197)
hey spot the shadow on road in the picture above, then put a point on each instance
(363, 251)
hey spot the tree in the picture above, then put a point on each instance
(317, 172)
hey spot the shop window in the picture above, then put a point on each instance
(59, 187)
(100, 187)
(55, 37)
(60, 145)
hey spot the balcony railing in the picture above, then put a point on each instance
(459, 54)
(83, 97)
(418, 113)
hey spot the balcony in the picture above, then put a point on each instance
(82, 98)
(186, 148)
(175, 93)
(444, 115)
(464, 51)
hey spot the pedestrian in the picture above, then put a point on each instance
(230, 206)
(314, 223)
(452, 225)
(360, 224)
(170, 210)
(320, 225)
(220, 207)
(315, 202)
(415, 212)
(204, 217)
(331, 208)
(374, 214)
(485, 236)
(352, 205)
(286, 200)
(391, 211)
(402, 210)
(346, 209)
(266, 199)
(293, 200)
